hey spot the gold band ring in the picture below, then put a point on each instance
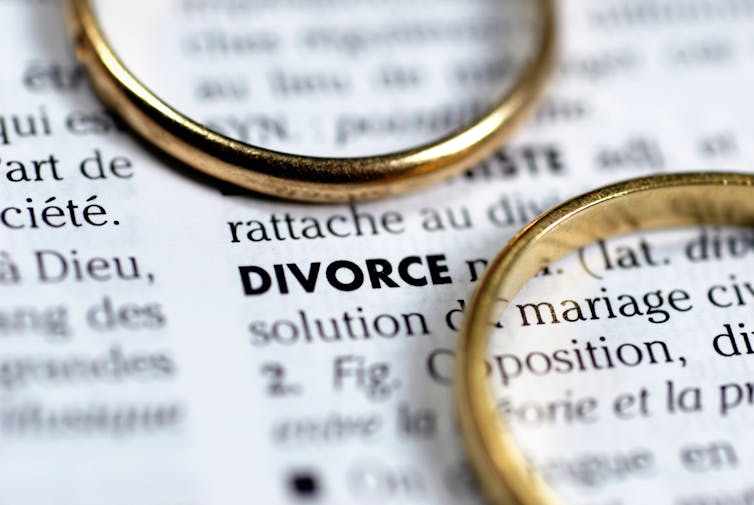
(639, 204)
(293, 176)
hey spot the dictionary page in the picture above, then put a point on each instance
(168, 340)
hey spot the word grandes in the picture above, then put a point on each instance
(346, 275)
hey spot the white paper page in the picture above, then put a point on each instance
(134, 368)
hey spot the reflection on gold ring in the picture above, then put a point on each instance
(320, 179)
(638, 204)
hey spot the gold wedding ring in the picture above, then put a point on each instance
(653, 202)
(293, 176)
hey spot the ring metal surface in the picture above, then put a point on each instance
(293, 176)
(639, 204)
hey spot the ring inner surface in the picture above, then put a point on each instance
(564, 396)
(317, 79)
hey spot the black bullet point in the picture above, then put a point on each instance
(304, 484)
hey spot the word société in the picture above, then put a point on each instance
(53, 213)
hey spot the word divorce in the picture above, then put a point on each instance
(346, 275)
